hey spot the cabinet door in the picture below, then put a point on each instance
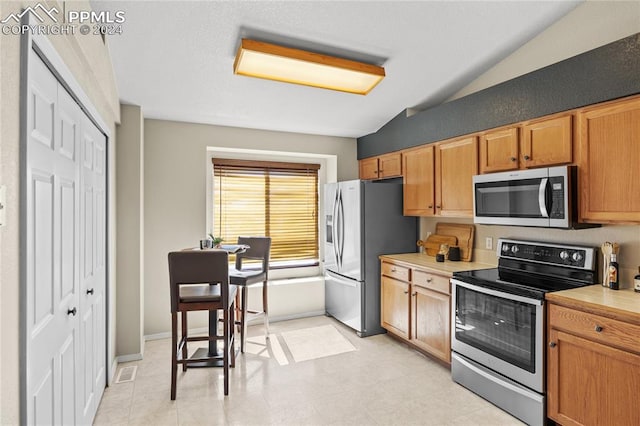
(499, 151)
(368, 168)
(418, 182)
(390, 165)
(431, 322)
(456, 163)
(395, 306)
(591, 384)
(547, 142)
(610, 163)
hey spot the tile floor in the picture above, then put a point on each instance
(382, 382)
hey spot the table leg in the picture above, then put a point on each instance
(212, 350)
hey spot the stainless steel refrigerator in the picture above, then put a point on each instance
(363, 220)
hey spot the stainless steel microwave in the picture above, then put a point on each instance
(542, 197)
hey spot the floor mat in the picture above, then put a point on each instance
(316, 342)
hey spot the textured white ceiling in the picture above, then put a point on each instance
(175, 58)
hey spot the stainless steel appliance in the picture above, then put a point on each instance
(498, 322)
(362, 221)
(537, 197)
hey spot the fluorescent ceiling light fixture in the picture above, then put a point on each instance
(273, 62)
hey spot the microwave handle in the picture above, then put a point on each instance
(542, 197)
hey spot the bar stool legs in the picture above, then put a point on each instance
(265, 309)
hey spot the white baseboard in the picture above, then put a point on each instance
(112, 371)
(129, 358)
(255, 321)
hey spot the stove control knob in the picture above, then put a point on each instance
(564, 255)
(505, 248)
(577, 257)
(514, 249)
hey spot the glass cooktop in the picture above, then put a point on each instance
(525, 282)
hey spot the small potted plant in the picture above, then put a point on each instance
(216, 241)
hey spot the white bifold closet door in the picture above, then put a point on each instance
(65, 277)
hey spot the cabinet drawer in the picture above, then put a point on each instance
(595, 327)
(431, 281)
(395, 271)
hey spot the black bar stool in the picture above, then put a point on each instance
(247, 275)
(200, 282)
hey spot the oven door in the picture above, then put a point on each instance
(501, 331)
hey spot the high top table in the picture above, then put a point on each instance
(212, 349)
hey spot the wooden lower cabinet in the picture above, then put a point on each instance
(395, 306)
(593, 368)
(430, 322)
(416, 306)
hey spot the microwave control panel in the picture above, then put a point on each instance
(557, 197)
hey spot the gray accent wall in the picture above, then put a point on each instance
(608, 72)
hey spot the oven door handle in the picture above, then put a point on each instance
(496, 293)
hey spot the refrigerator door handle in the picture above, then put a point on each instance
(341, 229)
(334, 228)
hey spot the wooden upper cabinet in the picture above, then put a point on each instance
(499, 150)
(547, 142)
(456, 163)
(609, 162)
(539, 143)
(390, 165)
(418, 181)
(368, 168)
(382, 167)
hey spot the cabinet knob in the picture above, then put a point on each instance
(89, 291)
(527, 158)
(72, 311)
(598, 329)
(438, 207)
(406, 292)
(429, 280)
(414, 293)
(552, 344)
(513, 159)
(393, 269)
(431, 206)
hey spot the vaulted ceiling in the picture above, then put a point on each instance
(175, 58)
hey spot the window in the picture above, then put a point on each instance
(274, 199)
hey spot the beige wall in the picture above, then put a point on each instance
(590, 25)
(628, 236)
(88, 58)
(130, 234)
(175, 158)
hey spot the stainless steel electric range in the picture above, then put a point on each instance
(498, 322)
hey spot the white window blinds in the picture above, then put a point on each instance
(280, 200)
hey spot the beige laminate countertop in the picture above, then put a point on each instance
(429, 262)
(621, 304)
